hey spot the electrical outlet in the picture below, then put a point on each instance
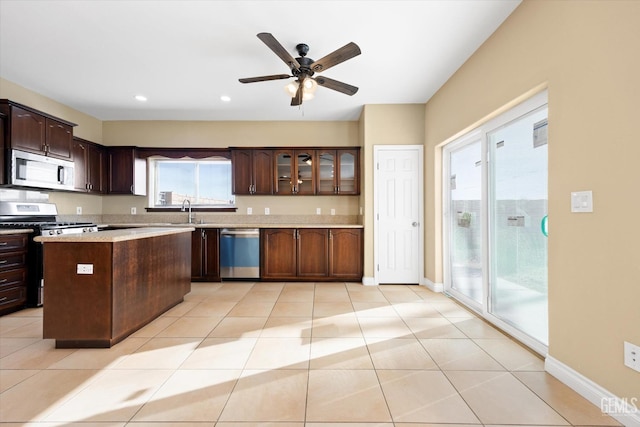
(249, 211)
(79, 210)
(318, 211)
(632, 356)
(333, 211)
(84, 269)
(361, 210)
(267, 211)
(133, 211)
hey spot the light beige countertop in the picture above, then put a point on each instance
(16, 231)
(111, 236)
(221, 225)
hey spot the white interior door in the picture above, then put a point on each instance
(398, 235)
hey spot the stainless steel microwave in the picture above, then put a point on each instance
(38, 171)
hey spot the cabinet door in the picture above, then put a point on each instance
(326, 171)
(345, 253)
(28, 130)
(96, 169)
(3, 178)
(79, 164)
(262, 171)
(278, 253)
(304, 170)
(348, 172)
(59, 139)
(241, 177)
(197, 243)
(283, 160)
(211, 254)
(127, 174)
(312, 252)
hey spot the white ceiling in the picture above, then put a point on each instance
(96, 55)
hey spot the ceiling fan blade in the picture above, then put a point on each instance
(297, 100)
(277, 48)
(264, 78)
(336, 85)
(347, 51)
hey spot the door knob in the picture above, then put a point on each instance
(415, 224)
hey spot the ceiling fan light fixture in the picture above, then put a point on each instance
(291, 88)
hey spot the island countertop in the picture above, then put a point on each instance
(116, 235)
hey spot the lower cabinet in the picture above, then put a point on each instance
(13, 272)
(205, 255)
(311, 254)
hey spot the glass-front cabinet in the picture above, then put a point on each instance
(337, 171)
(294, 169)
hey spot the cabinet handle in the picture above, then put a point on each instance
(203, 234)
(131, 188)
(4, 261)
(5, 280)
(330, 235)
(4, 299)
(4, 243)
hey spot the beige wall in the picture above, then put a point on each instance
(87, 127)
(586, 52)
(384, 125)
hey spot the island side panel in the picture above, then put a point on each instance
(77, 307)
(150, 276)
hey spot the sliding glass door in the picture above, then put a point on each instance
(495, 221)
(465, 221)
(518, 203)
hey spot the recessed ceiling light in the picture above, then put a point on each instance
(225, 98)
(140, 98)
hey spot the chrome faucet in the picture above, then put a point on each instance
(183, 209)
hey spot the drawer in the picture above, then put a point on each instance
(9, 261)
(12, 296)
(13, 278)
(13, 242)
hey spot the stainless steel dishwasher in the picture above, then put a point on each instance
(240, 253)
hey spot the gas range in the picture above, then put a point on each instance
(40, 217)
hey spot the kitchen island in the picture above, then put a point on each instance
(101, 287)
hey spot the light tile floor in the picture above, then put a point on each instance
(288, 355)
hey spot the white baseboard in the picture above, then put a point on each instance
(435, 287)
(369, 281)
(626, 411)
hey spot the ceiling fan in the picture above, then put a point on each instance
(303, 69)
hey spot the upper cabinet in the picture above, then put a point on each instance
(36, 132)
(127, 173)
(295, 172)
(90, 166)
(252, 171)
(338, 171)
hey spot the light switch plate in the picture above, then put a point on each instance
(582, 201)
(267, 211)
(333, 211)
(78, 210)
(133, 211)
(318, 211)
(249, 211)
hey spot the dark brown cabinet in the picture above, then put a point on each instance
(311, 254)
(127, 173)
(36, 132)
(205, 255)
(90, 166)
(3, 178)
(252, 171)
(338, 171)
(346, 252)
(13, 272)
(294, 171)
